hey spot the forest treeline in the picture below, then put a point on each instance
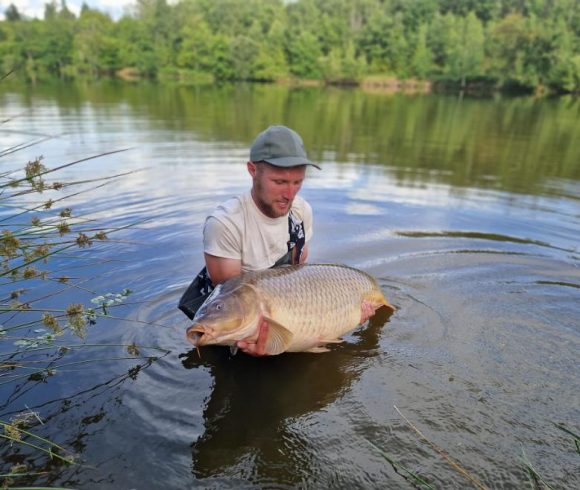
(519, 44)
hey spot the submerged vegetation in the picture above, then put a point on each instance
(43, 333)
(535, 479)
(508, 44)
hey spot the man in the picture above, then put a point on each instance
(266, 227)
(251, 232)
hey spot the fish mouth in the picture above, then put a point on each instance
(195, 334)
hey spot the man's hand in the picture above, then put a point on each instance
(256, 344)
(367, 310)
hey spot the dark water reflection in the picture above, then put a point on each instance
(249, 416)
(465, 210)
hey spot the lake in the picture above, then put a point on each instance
(466, 210)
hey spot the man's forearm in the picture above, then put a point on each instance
(221, 269)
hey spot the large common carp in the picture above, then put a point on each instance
(306, 307)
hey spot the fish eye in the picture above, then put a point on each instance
(219, 306)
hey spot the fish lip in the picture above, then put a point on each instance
(195, 334)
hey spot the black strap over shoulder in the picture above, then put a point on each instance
(297, 238)
(200, 288)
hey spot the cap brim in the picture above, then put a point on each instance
(289, 162)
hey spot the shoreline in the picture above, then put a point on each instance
(370, 84)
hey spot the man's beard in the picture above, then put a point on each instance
(269, 209)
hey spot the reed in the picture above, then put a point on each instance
(402, 470)
(534, 477)
(537, 482)
(38, 230)
(454, 464)
(575, 437)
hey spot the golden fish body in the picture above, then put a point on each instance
(306, 307)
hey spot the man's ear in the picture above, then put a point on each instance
(252, 168)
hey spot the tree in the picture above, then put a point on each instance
(95, 49)
(529, 43)
(422, 60)
(243, 51)
(521, 50)
(465, 54)
(565, 72)
(372, 42)
(303, 55)
(485, 10)
(342, 65)
(270, 63)
(56, 37)
(458, 46)
(12, 14)
(353, 66)
(64, 12)
(197, 46)
(9, 48)
(50, 10)
(222, 68)
(135, 46)
(159, 28)
(398, 47)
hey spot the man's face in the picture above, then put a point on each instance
(274, 188)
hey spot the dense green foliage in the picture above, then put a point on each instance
(528, 44)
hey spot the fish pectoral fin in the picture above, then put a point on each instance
(317, 350)
(320, 347)
(278, 339)
(331, 341)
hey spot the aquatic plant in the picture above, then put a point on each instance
(409, 475)
(40, 236)
(575, 437)
(535, 478)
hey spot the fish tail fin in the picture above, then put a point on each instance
(378, 298)
(387, 304)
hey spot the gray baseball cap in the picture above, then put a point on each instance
(281, 147)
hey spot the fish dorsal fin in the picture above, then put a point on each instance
(279, 337)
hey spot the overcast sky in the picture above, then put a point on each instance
(35, 8)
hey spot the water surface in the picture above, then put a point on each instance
(466, 211)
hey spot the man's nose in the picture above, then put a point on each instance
(290, 191)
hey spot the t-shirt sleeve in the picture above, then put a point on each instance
(220, 240)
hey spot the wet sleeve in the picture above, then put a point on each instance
(221, 240)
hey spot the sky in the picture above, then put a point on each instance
(35, 8)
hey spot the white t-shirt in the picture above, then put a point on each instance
(237, 229)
